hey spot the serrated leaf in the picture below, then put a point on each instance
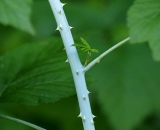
(35, 73)
(144, 24)
(94, 50)
(84, 46)
(16, 13)
(85, 43)
(79, 46)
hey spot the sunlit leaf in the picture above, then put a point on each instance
(144, 24)
(84, 46)
(85, 43)
(16, 13)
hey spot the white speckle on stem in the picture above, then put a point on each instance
(59, 11)
(84, 118)
(77, 72)
(60, 27)
(84, 97)
(98, 61)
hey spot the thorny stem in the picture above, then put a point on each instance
(21, 121)
(97, 60)
(75, 64)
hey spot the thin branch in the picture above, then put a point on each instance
(97, 60)
(22, 122)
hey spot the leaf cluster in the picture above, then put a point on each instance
(85, 46)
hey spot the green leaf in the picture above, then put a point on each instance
(94, 50)
(84, 46)
(85, 43)
(144, 24)
(16, 13)
(35, 73)
(128, 88)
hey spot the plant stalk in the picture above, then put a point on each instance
(97, 60)
(75, 64)
(22, 122)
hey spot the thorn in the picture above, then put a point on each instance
(60, 26)
(88, 92)
(57, 28)
(59, 11)
(84, 118)
(63, 4)
(93, 116)
(92, 122)
(71, 27)
(80, 115)
(98, 61)
(66, 61)
(84, 97)
(77, 72)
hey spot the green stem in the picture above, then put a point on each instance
(88, 58)
(22, 122)
(90, 65)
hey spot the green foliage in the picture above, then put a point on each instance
(128, 88)
(126, 92)
(85, 46)
(35, 73)
(144, 24)
(16, 13)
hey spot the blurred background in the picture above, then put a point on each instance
(125, 91)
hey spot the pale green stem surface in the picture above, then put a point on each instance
(75, 64)
(97, 60)
(21, 121)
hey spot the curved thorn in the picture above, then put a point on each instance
(92, 122)
(80, 115)
(66, 61)
(93, 116)
(88, 92)
(63, 4)
(57, 28)
(71, 27)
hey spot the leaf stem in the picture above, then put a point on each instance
(88, 58)
(22, 122)
(97, 60)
